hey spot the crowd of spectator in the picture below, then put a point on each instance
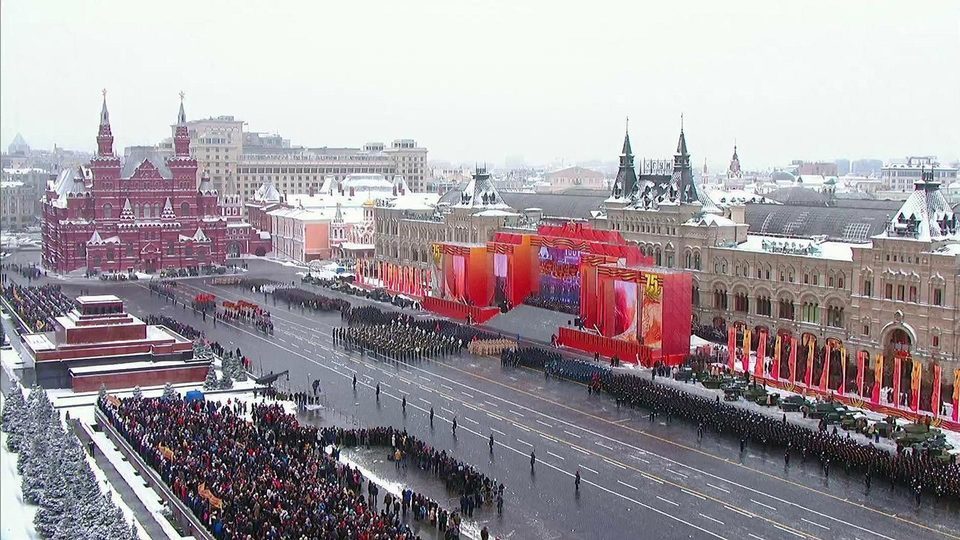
(38, 306)
(183, 329)
(553, 304)
(271, 477)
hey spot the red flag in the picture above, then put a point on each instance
(956, 395)
(935, 395)
(825, 371)
(731, 346)
(793, 360)
(777, 350)
(745, 363)
(861, 360)
(896, 381)
(761, 354)
(843, 371)
(915, 377)
(877, 378)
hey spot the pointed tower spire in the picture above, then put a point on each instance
(104, 135)
(733, 171)
(181, 139)
(181, 116)
(682, 143)
(104, 113)
(626, 180)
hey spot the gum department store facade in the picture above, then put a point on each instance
(867, 275)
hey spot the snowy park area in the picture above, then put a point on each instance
(51, 487)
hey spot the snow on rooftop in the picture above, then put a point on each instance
(126, 366)
(801, 247)
(97, 298)
(496, 213)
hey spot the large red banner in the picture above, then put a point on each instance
(625, 305)
(825, 371)
(651, 319)
(896, 380)
(745, 362)
(915, 376)
(877, 378)
(731, 347)
(761, 355)
(861, 365)
(793, 360)
(808, 375)
(777, 350)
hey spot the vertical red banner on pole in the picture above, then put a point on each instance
(761, 355)
(842, 388)
(825, 370)
(896, 381)
(935, 402)
(777, 349)
(792, 363)
(861, 362)
(877, 379)
(731, 347)
(915, 376)
(745, 363)
(808, 375)
(956, 395)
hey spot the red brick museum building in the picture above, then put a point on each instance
(146, 214)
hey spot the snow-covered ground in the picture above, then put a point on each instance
(17, 522)
(150, 499)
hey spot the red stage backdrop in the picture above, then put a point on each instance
(625, 308)
(651, 318)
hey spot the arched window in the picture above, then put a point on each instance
(810, 312)
(687, 260)
(107, 211)
(763, 306)
(741, 302)
(185, 209)
(835, 316)
(720, 298)
(696, 296)
(785, 310)
(696, 260)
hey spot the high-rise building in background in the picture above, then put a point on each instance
(239, 162)
(900, 176)
(216, 144)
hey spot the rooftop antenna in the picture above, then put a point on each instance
(681, 122)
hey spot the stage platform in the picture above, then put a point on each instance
(530, 322)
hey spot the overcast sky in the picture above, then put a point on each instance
(483, 80)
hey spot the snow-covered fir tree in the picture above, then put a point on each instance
(226, 382)
(169, 393)
(14, 415)
(211, 383)
(102, 394)
(137, 392)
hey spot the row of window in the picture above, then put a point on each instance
(903, 293)
(810, 312)
(128, 252)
